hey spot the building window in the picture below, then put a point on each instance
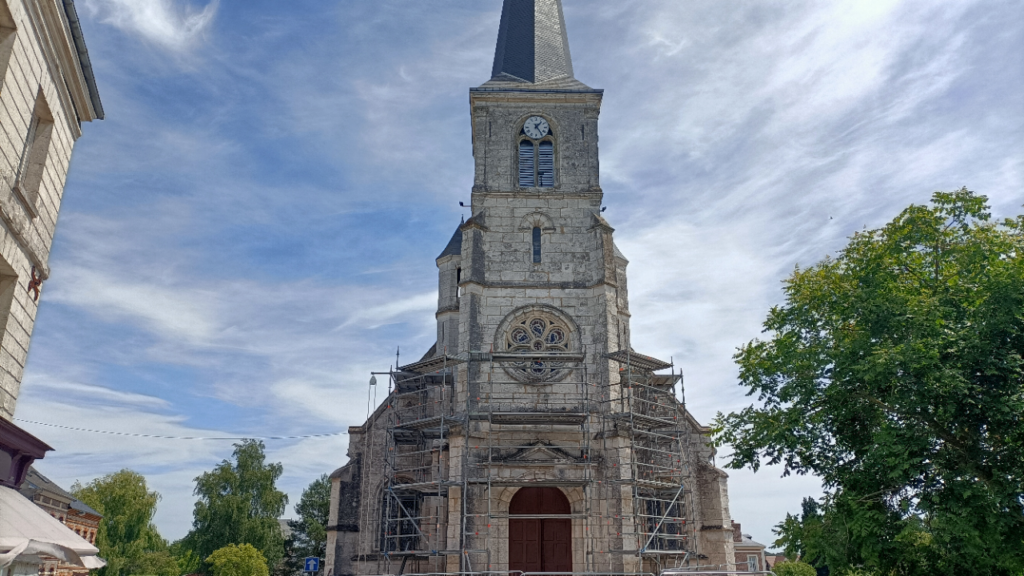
(399, 521)
(536, 154)
(536, 245)
(752, 565)
(538, 333)
(33, 155)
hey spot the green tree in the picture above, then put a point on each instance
(791, 568)
(894, 372)
(314, 509)
(239, 503)
(188, 561)
(309, 531)
(127, 538)
(238, 560)
(801, 536)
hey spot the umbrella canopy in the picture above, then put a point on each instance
(27, 533)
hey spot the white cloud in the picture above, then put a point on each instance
(380, 315)
(182, 314)
(170, 24)
(84, 393)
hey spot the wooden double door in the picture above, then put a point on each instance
(541, 544)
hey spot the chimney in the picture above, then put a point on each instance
(737, 532)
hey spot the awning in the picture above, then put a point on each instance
(27, 533)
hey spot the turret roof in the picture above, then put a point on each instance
(454, 246)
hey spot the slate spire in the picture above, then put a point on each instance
(532, 43)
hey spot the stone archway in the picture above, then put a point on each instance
(540, 541)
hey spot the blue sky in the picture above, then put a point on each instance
(252, 229)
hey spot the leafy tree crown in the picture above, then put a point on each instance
(894, 372)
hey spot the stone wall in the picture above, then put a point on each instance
(43, 99)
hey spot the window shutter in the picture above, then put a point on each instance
(526, 165)
(546, 166)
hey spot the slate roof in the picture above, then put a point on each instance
(454, 246)
(35, 481)
(83, 507)
(533, 48)
(748, 542)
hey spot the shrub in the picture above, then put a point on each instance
(235, 560)
(790, 568)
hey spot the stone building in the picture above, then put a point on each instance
(749, 553)
(66, 509)
(531, 437)
(47, 90)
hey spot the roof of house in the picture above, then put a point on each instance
(83, 507)
(83, 56)
(34, 482)
(748, 542)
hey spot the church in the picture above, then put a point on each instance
(531, 437)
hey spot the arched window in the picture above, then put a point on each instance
(536, 154)
(536, 245)
(399, 521)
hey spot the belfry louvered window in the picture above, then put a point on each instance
(546, 165)
(536, 154)
(527, 164)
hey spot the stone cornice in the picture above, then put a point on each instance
(446, 310)
(53, 37)
(528, 286)
(484, 96)
(531, 193)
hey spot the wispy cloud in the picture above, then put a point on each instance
(171, 24)
(377, 316)
(176, 314)
(90, 394)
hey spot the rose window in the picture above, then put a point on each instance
(537, 334)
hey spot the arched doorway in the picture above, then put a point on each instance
(537, 542)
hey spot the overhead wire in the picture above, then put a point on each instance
(161, 437)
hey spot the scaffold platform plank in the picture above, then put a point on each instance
(636, 360)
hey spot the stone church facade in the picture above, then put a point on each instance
(531, 437)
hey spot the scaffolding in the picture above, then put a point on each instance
(646, 409)
(644, 448)
(414, 513)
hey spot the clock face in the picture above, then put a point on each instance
(536, 127)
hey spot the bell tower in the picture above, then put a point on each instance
(531, 437)
(533, 98)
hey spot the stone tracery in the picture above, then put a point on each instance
(537, 330)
